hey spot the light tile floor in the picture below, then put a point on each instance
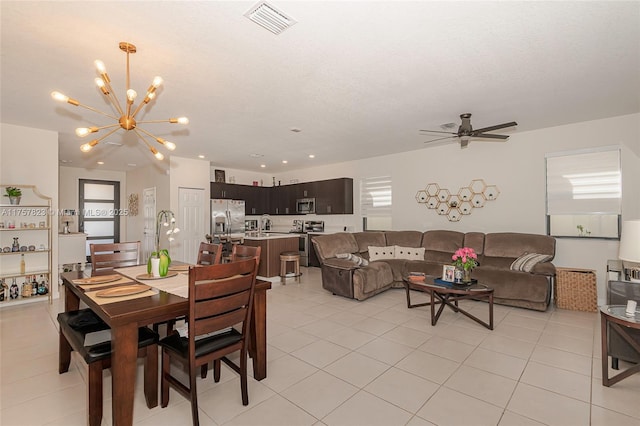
(334, 361)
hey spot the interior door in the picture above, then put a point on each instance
(191, 221)
(149, 211)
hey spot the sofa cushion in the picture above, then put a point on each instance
(527, 262)
(366, 239)
(381, 253)
(373, 277)
(357, 260)
(328, 246)
(443, 241)
(398, 268)
(403, 238)
(514, 245)
(409, 253)
(475, 240)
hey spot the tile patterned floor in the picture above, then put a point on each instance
(334, 361)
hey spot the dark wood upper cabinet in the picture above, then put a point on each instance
(333, 196)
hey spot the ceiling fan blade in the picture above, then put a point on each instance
(440, 139)
(496, 127)
(489, 136)
(437, 131)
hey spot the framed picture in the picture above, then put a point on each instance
(219, 175)
(449, 273)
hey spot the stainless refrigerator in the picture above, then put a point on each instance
(227, 217)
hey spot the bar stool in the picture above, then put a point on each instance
(289, 256)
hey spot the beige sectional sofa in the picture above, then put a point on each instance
(396, 253)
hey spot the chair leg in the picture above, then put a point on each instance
(151, 375)
(243, 376)
(203, 370)
(64, 354)
(164, 384)
(216, 370)
(95, 394)
(194, 398)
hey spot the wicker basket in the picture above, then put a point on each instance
(576, 289)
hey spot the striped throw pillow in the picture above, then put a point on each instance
(528, 261)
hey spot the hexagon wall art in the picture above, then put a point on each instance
(455, 205)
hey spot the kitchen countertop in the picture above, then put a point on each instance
(270, 236)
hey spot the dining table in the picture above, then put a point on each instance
(125, 315)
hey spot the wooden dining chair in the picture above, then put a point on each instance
(241, 252)
(106, 257)
(220, 297)
(209, 254)
(75, 326)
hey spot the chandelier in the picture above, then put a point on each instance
(127, 115)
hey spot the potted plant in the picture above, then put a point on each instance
(14, 194)
(158, 263)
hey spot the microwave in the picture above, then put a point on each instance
(305, 205)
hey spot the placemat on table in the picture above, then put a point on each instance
(91, 287)
(105, 300)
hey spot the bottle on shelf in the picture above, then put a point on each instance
(2, 290)
(16, 245)
(22, 264)
(34, 286)
(43, 288)
(13, 290)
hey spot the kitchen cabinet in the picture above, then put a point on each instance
(333, 196)
(28, 225)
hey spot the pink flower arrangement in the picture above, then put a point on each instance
(465, 258)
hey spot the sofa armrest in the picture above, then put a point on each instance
(336, 263)
(544, 268)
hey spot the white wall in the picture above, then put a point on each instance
(517, 167)
(19, 166)
(138, 180)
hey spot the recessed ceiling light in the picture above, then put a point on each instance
(256, 155)
(200, 156)
(295, 129)
(312, 156)
(263, 165)
(101, 162)
(284, 161)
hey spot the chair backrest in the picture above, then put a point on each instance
(106, 257)
(209, 254)
(220, 296)
(242, 252)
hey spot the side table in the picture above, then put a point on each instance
(614, 316)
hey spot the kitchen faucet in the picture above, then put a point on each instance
(265, 222)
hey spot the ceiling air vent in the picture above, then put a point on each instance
(269, 17)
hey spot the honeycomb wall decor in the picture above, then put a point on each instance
(456, 205)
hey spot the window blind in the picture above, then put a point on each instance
(375, 196)
(584, 183)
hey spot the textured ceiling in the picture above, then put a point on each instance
(358, 78)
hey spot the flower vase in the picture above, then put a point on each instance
(155, 267)
(466, 278)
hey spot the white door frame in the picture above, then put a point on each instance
(149, 212)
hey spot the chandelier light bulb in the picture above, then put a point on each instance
(100, 66)
(131, 95)
(59, 97)
(159, 155)
(157, 81)
(170, 145)
(151, 95)
(82, 131)
(88, 146)
(99, 82)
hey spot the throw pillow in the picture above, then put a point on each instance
(527, 261)
(381, 253)
(409, 253)
(357, 260)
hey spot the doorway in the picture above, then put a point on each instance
(149, 211)
(99, 206)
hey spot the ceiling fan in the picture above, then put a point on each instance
(465, 132)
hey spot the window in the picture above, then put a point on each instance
(375, 203)
(99, 211)
(584, 193)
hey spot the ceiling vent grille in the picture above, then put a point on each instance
(269, 17)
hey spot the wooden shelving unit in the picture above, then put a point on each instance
(30, 222)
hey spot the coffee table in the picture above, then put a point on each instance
(449, 295)
(616, 316)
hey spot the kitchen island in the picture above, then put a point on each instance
(272, 245)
